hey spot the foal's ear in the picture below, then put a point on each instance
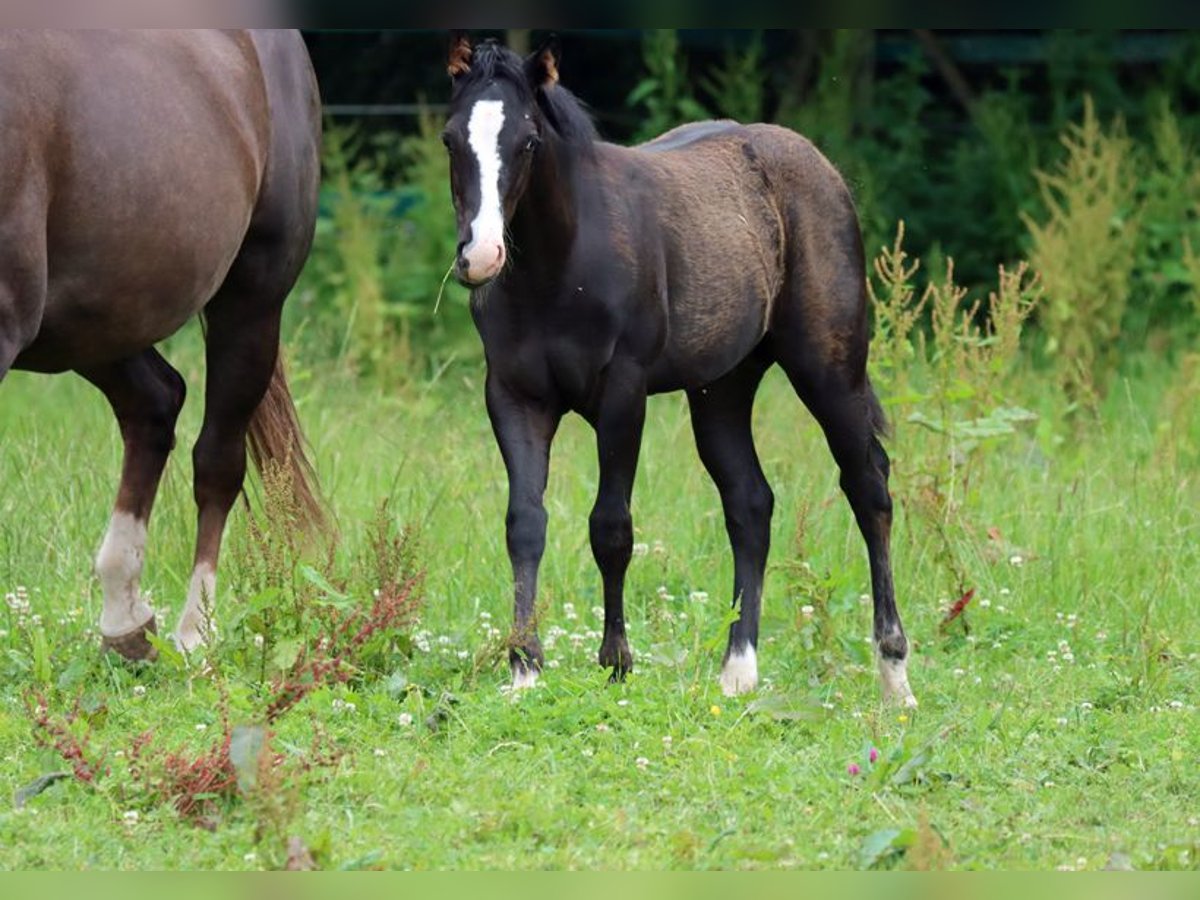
(460, 54)
(541, 66)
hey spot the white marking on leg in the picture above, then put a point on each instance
(894, 675)
(119, 566)
(485, 253)
(195, 622)
(524, 677)
(740, 672)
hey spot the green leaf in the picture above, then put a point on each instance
(245, 749)
(332, 594)
(788, 709)
(168, 654)
(644, 88)
(883, 844)
(284, 653)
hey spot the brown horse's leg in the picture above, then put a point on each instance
(721, 422)
(618, 421)
(146, 395)
(524, 433)
(242, 344)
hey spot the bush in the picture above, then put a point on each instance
(1084, 248)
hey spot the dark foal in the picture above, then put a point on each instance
(146, 177)
(602, 274)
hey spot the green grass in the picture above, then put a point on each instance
(1023, 754)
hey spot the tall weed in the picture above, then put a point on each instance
(945, 362)
(1084, 247)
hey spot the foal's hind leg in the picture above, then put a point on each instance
(721, 414)
(146, 395)
(849, 414)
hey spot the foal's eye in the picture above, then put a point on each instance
(532, 143)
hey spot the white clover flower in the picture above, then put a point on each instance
(380, 752)
(642, 762)
(698, 596)
(641, 549)
(259, 640)
(404, 719)
(139, 690)
(807, 611)
(131, 816)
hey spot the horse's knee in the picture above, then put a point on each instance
(525, 531)
(610, 528)
(748, 511)
(219, 466)
(154, 424)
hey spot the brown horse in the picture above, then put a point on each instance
(146, 177)
(694, 262)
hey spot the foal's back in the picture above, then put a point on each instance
(731, 210)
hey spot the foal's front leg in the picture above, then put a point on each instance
(618, 420)
(524, 432)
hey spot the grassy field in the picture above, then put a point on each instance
(1057, 725)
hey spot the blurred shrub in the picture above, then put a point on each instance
(1084, 247)
(381, 255)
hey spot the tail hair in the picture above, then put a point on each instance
(275, 438)
(880, 426)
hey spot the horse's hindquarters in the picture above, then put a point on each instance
(153, 163)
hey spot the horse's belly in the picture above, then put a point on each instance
(719, 302)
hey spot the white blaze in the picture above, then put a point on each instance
(485, 253)
(740, 673)
(119, 565)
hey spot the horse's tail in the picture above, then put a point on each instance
(275, 439)
(880, 426)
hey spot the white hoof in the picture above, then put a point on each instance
(739, 675)
(524, 678)
(893, 674)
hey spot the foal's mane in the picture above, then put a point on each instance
(563, 111)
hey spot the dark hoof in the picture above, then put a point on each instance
(133, 645)
(615, 655)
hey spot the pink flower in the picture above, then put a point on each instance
(873, 755)
(853, 768)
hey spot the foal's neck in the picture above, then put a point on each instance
(545, 222)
